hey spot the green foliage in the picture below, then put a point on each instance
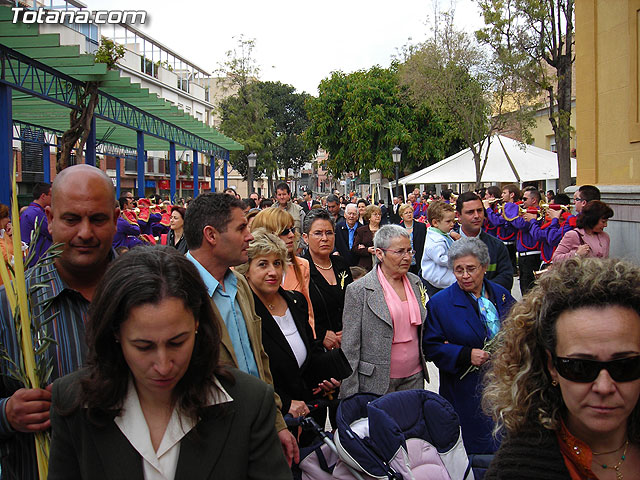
(109, 52)
(240, 67)
(287, 110)
(359, 117)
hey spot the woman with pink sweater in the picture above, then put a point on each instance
(589, 238)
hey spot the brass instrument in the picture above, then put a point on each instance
(545, 207)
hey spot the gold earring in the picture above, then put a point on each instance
(554, 383)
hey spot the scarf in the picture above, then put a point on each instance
(395, 304)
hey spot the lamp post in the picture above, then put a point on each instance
(251, 158)
(396, 153)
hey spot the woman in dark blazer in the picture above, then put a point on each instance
(363, 239)
(460, 321)
(154, 399)
(329, 276)
(418, 232)
(295, 358)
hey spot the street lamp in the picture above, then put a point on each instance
(251, 158)
(396, 153)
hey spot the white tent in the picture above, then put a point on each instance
(509, 161)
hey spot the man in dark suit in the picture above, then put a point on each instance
(308, 202)
(345, 232)
(471, 217)
(394, 215)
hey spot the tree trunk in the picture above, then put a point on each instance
(79, 125)
(563, 130)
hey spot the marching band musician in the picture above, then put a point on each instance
(554, 227)
(504, 231)
(127, 228)
(493, 196)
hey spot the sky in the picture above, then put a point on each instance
(297, 42)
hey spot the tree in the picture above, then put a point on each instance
(244, 118)
(80, 118)
(533, 40)
(450, 75)
(287, 110)
(359, 117)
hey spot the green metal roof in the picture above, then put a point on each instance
(46, 48)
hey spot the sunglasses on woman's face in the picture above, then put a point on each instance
(287, 231)
(584, 371)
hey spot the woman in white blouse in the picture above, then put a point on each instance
(153, 402)
(296, 360)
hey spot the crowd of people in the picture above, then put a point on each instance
(184, 335)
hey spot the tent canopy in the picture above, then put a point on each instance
(509, 161)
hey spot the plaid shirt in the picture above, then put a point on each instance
(67, 328)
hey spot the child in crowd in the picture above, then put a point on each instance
(435, 268)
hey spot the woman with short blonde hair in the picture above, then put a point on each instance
(296, 275)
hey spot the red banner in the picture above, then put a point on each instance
(164, 184)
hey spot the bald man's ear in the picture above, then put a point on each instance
(49, 213)
(116, 214)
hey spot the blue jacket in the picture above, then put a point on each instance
(452, 329)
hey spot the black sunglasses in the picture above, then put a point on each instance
(286, 231)
(584, 371)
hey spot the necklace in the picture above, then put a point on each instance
(611, 451)
(617, 466)
(324, 268)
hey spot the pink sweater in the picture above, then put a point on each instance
(598, 242)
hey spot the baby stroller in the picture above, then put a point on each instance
(405, 435)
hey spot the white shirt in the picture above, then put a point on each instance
(160, 465)
(288, 327)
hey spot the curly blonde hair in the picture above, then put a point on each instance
(518, 393)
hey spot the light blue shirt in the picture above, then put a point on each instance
(229, 309)
(352, 233)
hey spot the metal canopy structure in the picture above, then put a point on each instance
(40, 80)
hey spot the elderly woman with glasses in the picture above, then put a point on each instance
(383, 317)
(565, 383)
(462, 322)
(363, 240)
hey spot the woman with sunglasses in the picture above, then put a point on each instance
(296, 274)
(462, 322)
(564, 384)
(383, 316)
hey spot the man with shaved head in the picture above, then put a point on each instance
(82, 217)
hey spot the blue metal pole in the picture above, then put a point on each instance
(118, 173)
(141, 162)
(6, 144)
(90, 146)
(225, 168)
(46, 162)
(212, 162)
(196, 177)
(172, 171)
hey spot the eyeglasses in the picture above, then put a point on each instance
(287, 231)
(318, 235)
(584, 371)
(461, 271)
(399, 253)
(578, 199)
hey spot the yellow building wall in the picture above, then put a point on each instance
(608, 110)
(542, 133)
